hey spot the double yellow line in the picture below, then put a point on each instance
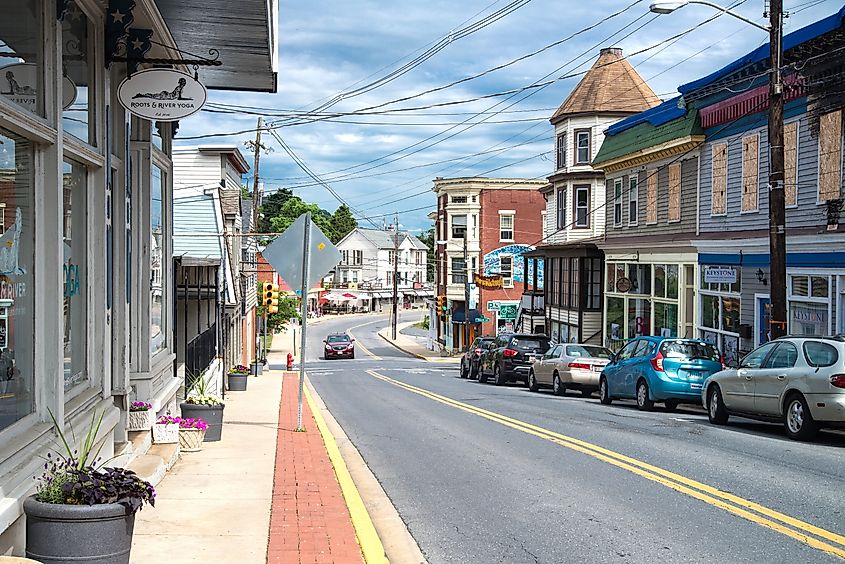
(795, 528)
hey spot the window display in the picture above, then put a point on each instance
(74, 227)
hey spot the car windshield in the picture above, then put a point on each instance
(689, 350)
(337, 339)
(530, 344)
(588, 351)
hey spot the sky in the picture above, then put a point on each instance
(330, 50)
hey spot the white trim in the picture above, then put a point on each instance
(635, 178)
(507, 212)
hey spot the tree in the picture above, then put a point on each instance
(342, 223)
(288, 309)
(295, 207)
(271, 207)
(427, 237)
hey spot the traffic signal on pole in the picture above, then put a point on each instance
(270, 294)
(441, 306)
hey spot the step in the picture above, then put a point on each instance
(154, 465)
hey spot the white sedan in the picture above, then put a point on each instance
(569, 365)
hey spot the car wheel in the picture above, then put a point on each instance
(798, 420)
(482, 376)
(604, 393)
(644, 402)
(532, 382)
(557, 386)
(498, 376)
(586, 393)
(670, 405)
(463, 370)
(717, 413)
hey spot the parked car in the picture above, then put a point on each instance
(659, 369)
(510, 357)
(472, 357)
(569, 365)
(339, 345)
(799, 381)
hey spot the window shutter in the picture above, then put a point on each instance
(830, 156)
(718, 184)
(675, 192)
(750, 171)
(651, 197)
(790, 163)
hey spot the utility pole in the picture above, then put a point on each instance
(777, 208)
(395, 275)
(257, 151)
(465, 332)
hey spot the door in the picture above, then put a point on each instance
(637, 367)
(544, 368)
(763, 322)
(615, 372)
(738, 391)
(773, 378)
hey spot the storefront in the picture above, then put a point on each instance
(652, 296)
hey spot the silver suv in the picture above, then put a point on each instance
(799, 381)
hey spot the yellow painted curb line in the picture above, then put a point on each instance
(368, 539)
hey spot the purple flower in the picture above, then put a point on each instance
(183, 423)
(140, 406)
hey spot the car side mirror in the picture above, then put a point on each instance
(613, 358)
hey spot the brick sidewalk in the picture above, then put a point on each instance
(309, 520)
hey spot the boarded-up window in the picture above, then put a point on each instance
(790, 163)
(675, 192)
(719, 183)
(750, 172)
(830, 156)
(651, 197)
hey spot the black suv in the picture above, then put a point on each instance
(510, 357)
(471, 359)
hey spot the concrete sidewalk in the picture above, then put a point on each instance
(413, 346)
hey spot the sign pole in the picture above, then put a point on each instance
(306, 259)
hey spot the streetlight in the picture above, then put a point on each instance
(777, 207)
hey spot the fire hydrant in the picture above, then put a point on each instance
(290, 361)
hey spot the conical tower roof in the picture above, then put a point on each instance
(610, 86)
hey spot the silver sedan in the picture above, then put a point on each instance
(799, 381)
(569, 365)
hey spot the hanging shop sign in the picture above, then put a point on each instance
(19, 83)
(493, 282)
(162, 94)
(720, 275)
(623, 284)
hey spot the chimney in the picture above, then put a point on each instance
(611, 51)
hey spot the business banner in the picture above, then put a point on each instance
(493, 282)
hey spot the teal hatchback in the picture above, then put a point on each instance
(659, 369)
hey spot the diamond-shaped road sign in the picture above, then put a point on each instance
(285, 254)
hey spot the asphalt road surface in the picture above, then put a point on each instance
(490, 474)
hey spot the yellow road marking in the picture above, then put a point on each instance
(713, 496)
(368, 539)
(363, 348)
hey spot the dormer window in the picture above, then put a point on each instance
(582, 146)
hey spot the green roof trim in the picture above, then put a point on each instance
(645, 135)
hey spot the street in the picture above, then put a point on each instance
(485, 474)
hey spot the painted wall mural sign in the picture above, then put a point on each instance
(19, 83)
(492, 263)
(493, 282)
(162, 94)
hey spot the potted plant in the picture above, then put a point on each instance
(165, 430)
(201, 404)
(256, 367)
(238, 377)
(191, 432)
(83, 510)
(140, 416)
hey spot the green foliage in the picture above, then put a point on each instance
(295, 207)
(427, 237)
(342, 223)
(288, 308)
(199, 394)
(272, 207)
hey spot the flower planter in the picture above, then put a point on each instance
(211, 414)
(89, 534)
(237, 382)
(190, 440)
(255, 368)
(166, 433)
(140, 420)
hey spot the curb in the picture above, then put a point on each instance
(385, 337)
(368, 539)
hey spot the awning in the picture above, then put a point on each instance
(474, 316)
(245, 33)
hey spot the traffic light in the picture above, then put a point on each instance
(441, 306)
(271, 297)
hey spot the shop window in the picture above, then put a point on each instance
(506, 227)
(75, 318)
(750, 172)
(651, 197)
(633, 200)
(582, 206)
(790, 163)
(78, 67)
(615, 328)
(640, 276)
(809, 318)
(21, 63)
(719, 180)
(17, 186)
(666, 281)
(157, 340)
(674, 193)
(639, 317)
(830, 156)
(666, 319)
(617, 202)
